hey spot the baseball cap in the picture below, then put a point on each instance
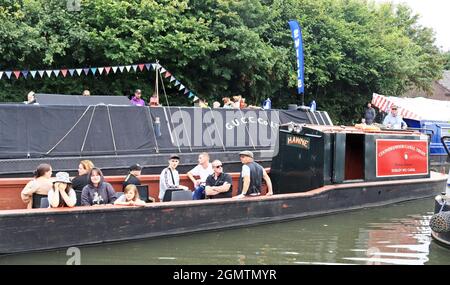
(136, 166)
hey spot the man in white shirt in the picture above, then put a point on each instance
(393, 120)
(202, 170)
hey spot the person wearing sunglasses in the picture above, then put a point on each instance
(218, 184)
(393, 120)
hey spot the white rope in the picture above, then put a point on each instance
(112, 131)
(168, 105)
(88, 128)
(71, 129)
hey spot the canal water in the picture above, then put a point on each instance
(395, 234)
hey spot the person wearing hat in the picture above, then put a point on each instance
(393, 120)
(169, 178)
(252, 173)
(62, 194)
(132, 177)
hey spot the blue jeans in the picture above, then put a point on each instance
(199, 193)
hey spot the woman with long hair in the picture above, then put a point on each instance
(62, 194)
(81, 180)
(40, 184)
(98, 191)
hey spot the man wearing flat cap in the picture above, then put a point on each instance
(132, 177)
(251, 177)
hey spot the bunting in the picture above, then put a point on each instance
(97, 71)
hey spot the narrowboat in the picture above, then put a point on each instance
(316, 170)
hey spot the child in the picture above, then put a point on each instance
(130, 197)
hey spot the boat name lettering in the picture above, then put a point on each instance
(301, 142)
(401, 146)
(246, 120)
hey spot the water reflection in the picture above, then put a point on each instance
(397, 234)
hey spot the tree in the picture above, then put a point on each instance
(218, 48)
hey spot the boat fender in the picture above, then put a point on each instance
(440, 222)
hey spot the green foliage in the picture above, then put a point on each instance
(219, 48)
(447, 60)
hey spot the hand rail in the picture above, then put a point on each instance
(443, 139)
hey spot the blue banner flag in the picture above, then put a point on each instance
(298, 42)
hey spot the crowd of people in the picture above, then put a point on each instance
(236, 102)
(89, 187)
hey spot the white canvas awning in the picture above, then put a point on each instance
(414, 108)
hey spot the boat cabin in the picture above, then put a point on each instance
(309, 156)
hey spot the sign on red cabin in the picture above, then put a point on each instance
(401, 157)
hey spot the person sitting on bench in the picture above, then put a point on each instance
(169, 178)
(218, 184)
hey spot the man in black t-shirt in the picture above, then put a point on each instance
(132, 177)
(218, 184)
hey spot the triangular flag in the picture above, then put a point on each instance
(8, 73)
(86, 71)
(114, 68)
(79, 70)
(167, 74)
(1, 74)
(141, 67)
(162, 70)
(128, 67)
(107, 69)
(147, 65)
(181, 87)
(100, 70)
(17, 73)
(172, 78)
(71, 71)
(64, 72)
(154, 66)
(121, 68)
(134, 67)
(186, 91)
(177, 83)
(56, 72)
(191, 95)
(49, 73)
(33, 73)
(25, 73)
(41, 73)
(94, 70)
(195, 99)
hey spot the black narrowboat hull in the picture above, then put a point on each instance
(46, 229)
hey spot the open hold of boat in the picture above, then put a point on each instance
(317, 170)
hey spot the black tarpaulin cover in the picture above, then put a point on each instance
(58, 131)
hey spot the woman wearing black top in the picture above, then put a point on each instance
(81, 180)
